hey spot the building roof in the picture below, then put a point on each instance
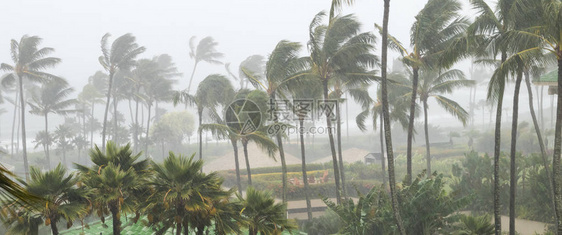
(548, 79)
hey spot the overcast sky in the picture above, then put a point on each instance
(242, 28)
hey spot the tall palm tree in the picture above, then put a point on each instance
(304, 97)
(117, 180)
(204, 51)
(63, 136)
(253, 64)
(263, 214)
(93, 94)
(494, 26)
(437, 28)
(184, 191)
(119, 57)
(338, 52)
(63, 198)
(51, 98)
(386, 119)
(213, 91)
(545, 33)
(29, 62)
(436, 84)
(283, 67)
(398, 112)
(258, 137)
(157, 88)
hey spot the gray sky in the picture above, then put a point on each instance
(242, 28)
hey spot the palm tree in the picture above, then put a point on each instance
(120, 57)
(81, 143)
(259, 136)
(263, 214)
(117, 180)
(304, 97)
(51, 99)
(434, 85)
(44, 139)
(205, 51)
(141, 78)
(399, 112)
(283, 67)
(494, 27)
(184, 191)
(213, 91)
(29, 62)
(253, 64)
(63, 135)
(93, 94)
(338, 52)
(62, 197)
(158, 88)
(386, 120)
(437, 28)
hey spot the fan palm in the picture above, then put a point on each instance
(29, 62)
(117, 180)
(51, 99)
(263, 214)
(63, 198)
(204, 51)
(282, 68)
(183, 191)
(119, 57)
(338, 52)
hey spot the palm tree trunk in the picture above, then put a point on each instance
(513, 166)
(332, 147)
(427, 145)
(104, 129)
(304, 174)
(14, 122)
(200, 113)
(342, 169)
(387, 133)
(54, 229)
(382, 152)
(192, 74)
(115, 218)
(147, 129)
(237, 165)
(47, 146)
(92, 127)
(136, 130)
(23, 137)
(411, 125)
(539, 137)
(248, 168)
(497, 149)
(178, 228)
(185, 227)
(557, 149)
(282, 157)
(114, 137)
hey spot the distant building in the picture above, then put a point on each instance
(372, 158)
(549, 79)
